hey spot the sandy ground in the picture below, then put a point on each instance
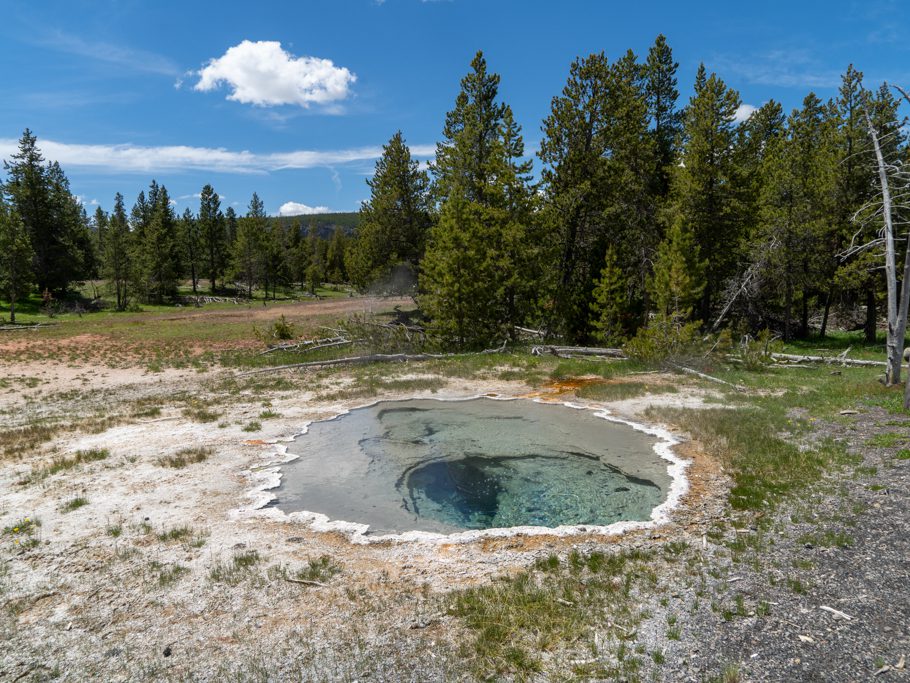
(84, 604)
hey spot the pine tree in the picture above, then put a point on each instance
(230, 228)
(472, 281)
(99, 235)
(315, 272)
(460, 274)
(794, 212)
(600, 186)
(853, 191)
(16, 257)
(679, 274)
(212, 230)
(40, 195)
(268, 240)
(335, 256)
(248, 245)
(665, 118)
(116, 259)
(610, 305)
(395, 220)
(192, 247)
(471, 134)
(158, 250)
(298, 255)
(705, 187)
(576, 185)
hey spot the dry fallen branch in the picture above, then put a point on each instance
(830, 360)
(371, 358)
(307, 345)
(306, 582)
(696, 373)
(836, 612)
(564, 351)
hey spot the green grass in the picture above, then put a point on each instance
(617, 391)
(252, 426)
(74, 504)
(201, 414)
(166, 574)
(320, 569)
(758, 442)
(63, 463)
(828, 539)
(185, 457)
(177, 533)
(888, 439)
(235, 570)
(25, 527)
(838, 342)
(516, 618)
(18, 440)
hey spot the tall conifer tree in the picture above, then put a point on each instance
(16, 256)
(705, 186)
(467, 284)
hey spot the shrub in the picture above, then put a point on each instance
(666, 339)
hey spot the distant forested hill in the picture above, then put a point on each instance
(325, 222)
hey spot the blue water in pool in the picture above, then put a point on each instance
(447, 466)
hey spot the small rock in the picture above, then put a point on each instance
(167, 651)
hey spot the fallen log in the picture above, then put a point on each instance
(372, 358)
(829, 360)
(577, 351)
(27, 326)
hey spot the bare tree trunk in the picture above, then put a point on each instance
(871, 317)
(897, 313)
(824, 330)
(788, 309)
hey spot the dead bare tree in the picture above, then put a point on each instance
(897, 305)
(898, 297)
(905, 293)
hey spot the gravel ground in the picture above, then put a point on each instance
(825, 596)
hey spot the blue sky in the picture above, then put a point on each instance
(294, 100)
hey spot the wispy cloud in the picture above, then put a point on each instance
(126, 58)
(795, 68)
(128, 158)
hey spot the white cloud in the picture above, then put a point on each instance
(743, 112)
(264, 74)
(128, 158)
(298, 209)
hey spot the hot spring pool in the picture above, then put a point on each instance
(450, 466)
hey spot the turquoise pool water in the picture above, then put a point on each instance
(448, 466)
